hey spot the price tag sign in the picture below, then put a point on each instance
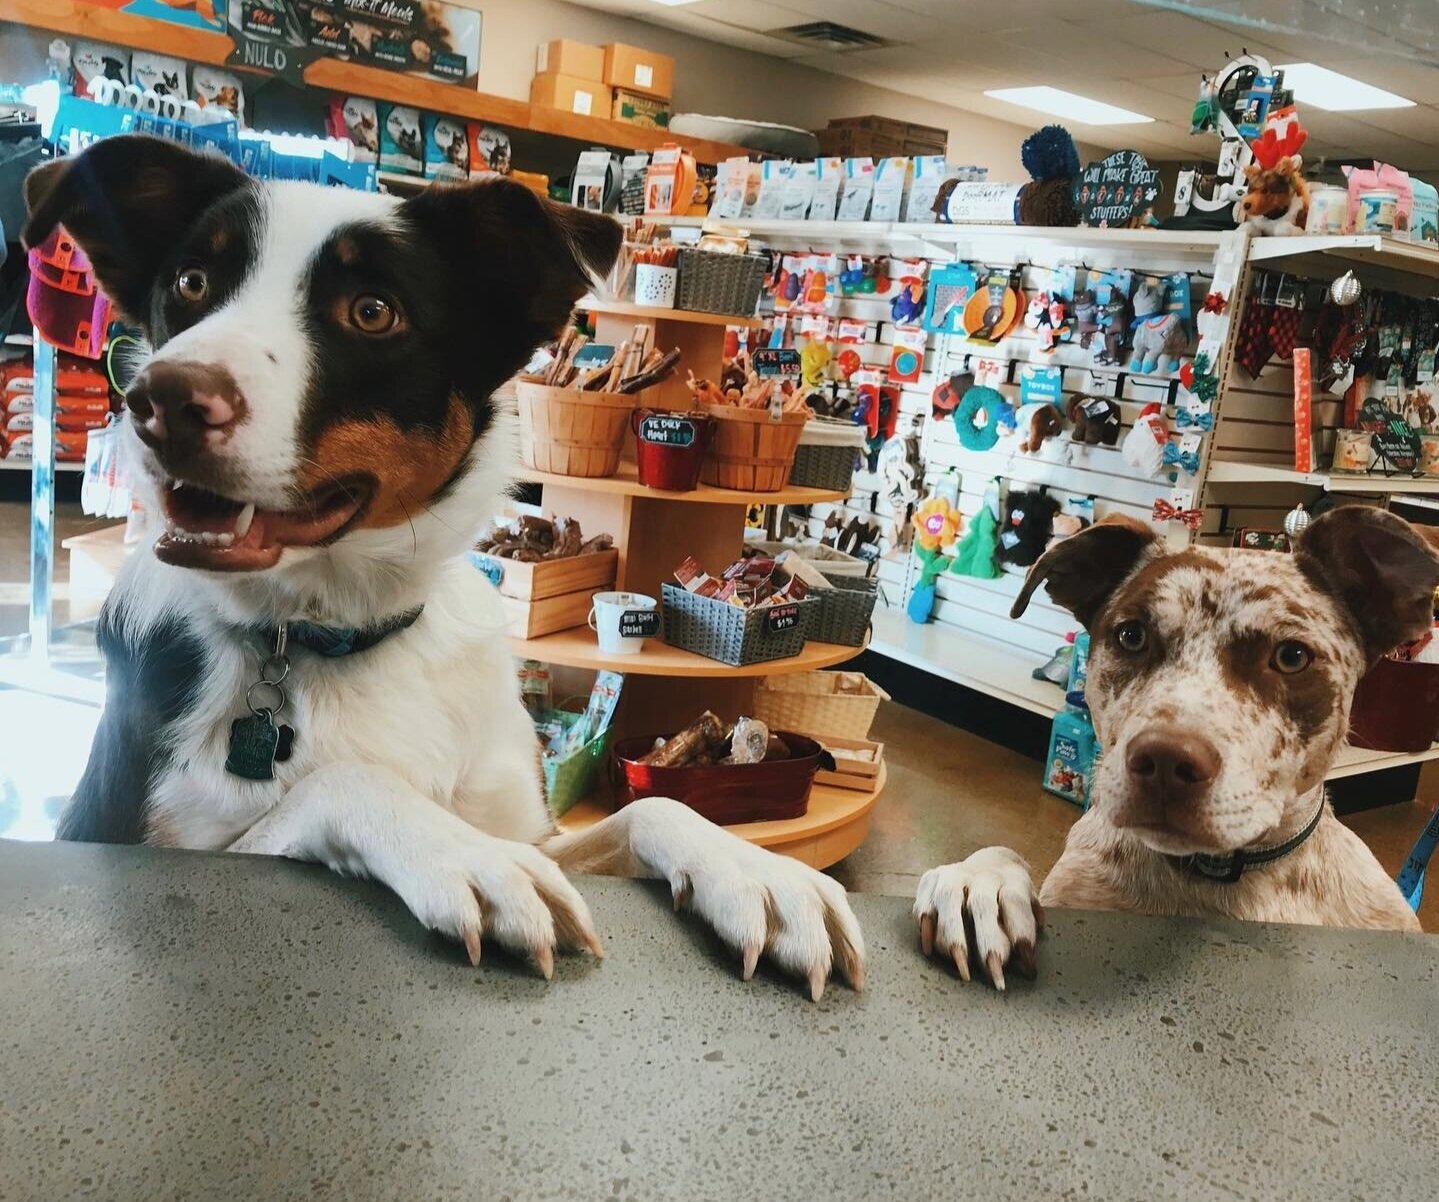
(781, 618)
(639, 623)
(776, 363)
(668, 431)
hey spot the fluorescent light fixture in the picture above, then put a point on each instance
(1060, 103)
(674, 3)
(1335, 93)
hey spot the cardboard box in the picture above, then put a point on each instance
(649, 111)
(639, 70)
(572, 94)
(885, 126)
(564, 57)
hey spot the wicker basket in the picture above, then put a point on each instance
(826, 559)
(734, 636)
(571, 779)
(840, 704)
(711, 282)
(844, 611)
(570, 432)
(830, 468)
(751, 451)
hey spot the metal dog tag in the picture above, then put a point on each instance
(256, 743)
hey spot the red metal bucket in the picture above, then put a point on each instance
(670, 447)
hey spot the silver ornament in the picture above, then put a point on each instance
(1346, 290)
(1296, 521)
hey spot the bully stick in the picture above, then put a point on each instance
(652, 376)
(698, 737)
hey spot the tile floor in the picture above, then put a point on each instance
(949, 791)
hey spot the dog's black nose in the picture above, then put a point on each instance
(1173, 765)
(177, 406)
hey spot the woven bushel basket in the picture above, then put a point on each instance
(572, 433)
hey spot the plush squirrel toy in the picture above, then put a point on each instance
(1277, 198)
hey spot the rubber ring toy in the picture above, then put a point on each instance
(980, 413)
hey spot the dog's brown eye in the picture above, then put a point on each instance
(373, 315)
(1291, 657)
(192, 285)
(1131, 636)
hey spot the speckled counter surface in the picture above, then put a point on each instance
(175, 1025)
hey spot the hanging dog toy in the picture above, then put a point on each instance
(983, 414)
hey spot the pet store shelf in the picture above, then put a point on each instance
(625, 483)
(1353, 761)
(1238, 471)
(650, 313)
(577, 649)
(836, 822)
(978, 663)
(86, 19)
(1409, 267)
(23, 465)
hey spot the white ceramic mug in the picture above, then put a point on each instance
(655, 286)
(623, 621)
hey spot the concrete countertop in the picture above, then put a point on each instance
(178, 1025)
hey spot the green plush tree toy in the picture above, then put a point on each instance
(975, 554)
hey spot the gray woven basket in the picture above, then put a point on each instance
(830, 468)
(734, 636)
(844, 611)
(711, 282)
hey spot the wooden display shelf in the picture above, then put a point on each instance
(80, 19)
(24, 465)
(577, 648)
(1238, 471)
(651, 313)
(837, 822)
(626, 483)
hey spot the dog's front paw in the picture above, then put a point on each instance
(471, 886)
(758, 902)
(983, 908)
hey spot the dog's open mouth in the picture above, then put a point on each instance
(206, 530)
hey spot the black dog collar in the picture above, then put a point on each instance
(335, 641)
(1229, 868)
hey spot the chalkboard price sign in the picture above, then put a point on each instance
(639, 623)
(667, 431)
(1117, 190)
(771, 362)
(781, 618)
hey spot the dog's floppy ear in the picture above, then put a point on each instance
(1082, 572)
(1379, 567)
(126, 201)
(531, 257)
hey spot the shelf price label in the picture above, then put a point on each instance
(665, 430)
(776, 363)
(780, 618)
(639, 623)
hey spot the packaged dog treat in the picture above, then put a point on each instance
(355, 118)
(92, 59)
(159, 73)
(402, 145)
(447, 148)
(828, 175)
(215, 87)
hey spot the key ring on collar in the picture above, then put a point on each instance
(273, 671)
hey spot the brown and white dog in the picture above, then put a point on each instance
(1219, 685)
(316, 432)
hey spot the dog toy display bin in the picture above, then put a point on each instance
(571, 779)
(723, 793)
(712, 282)
(839, 705)
(670, 447)
(570, 432)
(1396, 707)
(751, 451)
(845, 610)
(827, 454)
(731, 635)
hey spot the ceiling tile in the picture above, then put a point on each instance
(704, 27)
(1198, 44)
(1066, 55)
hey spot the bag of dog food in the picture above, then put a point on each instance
(92, 59)
(355, 118)
(159, 73)
(489, 150)
(215, 87)
(402, 145)
(447, 148)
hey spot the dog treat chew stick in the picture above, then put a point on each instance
(693, 740)
(653, 375)
(616, 367)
